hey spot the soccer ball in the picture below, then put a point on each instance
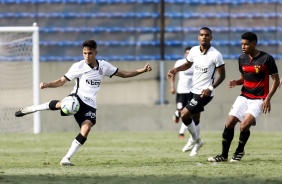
(70, 105)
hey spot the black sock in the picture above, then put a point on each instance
(244, 136)
(196, 122)
(187, 122)
(52, 105)
(227, 137)
(80, 139)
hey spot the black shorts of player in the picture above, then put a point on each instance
(85, 112)
(183, 99)
(196, 103)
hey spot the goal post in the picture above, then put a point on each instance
(20, 77)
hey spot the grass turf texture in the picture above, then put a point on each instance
(153, 157)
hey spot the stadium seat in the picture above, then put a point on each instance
(76, 1)
(118, 24)
(197, 2)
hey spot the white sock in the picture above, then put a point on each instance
(198, 128)
(192, 130)
(73, 149)
(182, 128)
(176, 113)
(40, 107)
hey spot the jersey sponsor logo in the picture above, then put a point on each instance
(204, 70)
(93, 82)
(193, 102)
(88, 99)
(90, 114)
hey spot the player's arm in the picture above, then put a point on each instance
(172, 84)
(266, 107)
(126, 74)
(56, 83)
(218, 81)
(221, 76)
(233, 83)
(183, 67)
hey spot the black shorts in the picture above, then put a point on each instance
(196, 103)
(85, 112)
(182, 100)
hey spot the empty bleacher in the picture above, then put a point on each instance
(129, 29)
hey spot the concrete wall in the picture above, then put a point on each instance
(130, 104)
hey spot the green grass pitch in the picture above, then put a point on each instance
(136, 157)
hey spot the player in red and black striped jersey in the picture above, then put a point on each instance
(255, 67)
(256, 74)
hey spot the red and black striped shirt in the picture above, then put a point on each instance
(256, 74)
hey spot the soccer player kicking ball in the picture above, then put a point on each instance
(255, 67)
(88, 74)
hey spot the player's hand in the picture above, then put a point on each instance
(231, 83)
(206, 92)
(147, 68)
(170, 73)
(43, 85)
(172, 90)
(266, 106)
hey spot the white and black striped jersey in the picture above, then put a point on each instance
(88, 80)
(184, 77)
(205, 65)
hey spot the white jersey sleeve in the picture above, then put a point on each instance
(219, 60)
(110, 70)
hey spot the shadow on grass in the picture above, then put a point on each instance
(146, 179)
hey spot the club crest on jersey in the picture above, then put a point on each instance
(257, 68)
(100, 71)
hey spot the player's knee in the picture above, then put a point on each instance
(185, 114)
(231, 122)
(244, 127)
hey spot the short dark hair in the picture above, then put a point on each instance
(206, 28)
(250, 36)
(89, 43)
(187, 48)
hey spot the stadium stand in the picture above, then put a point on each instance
(129, 29)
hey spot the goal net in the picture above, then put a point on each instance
(19, 78)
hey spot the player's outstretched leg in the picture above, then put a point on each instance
(24, 111)
(52, 105)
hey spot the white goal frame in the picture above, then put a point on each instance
(36, 69)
